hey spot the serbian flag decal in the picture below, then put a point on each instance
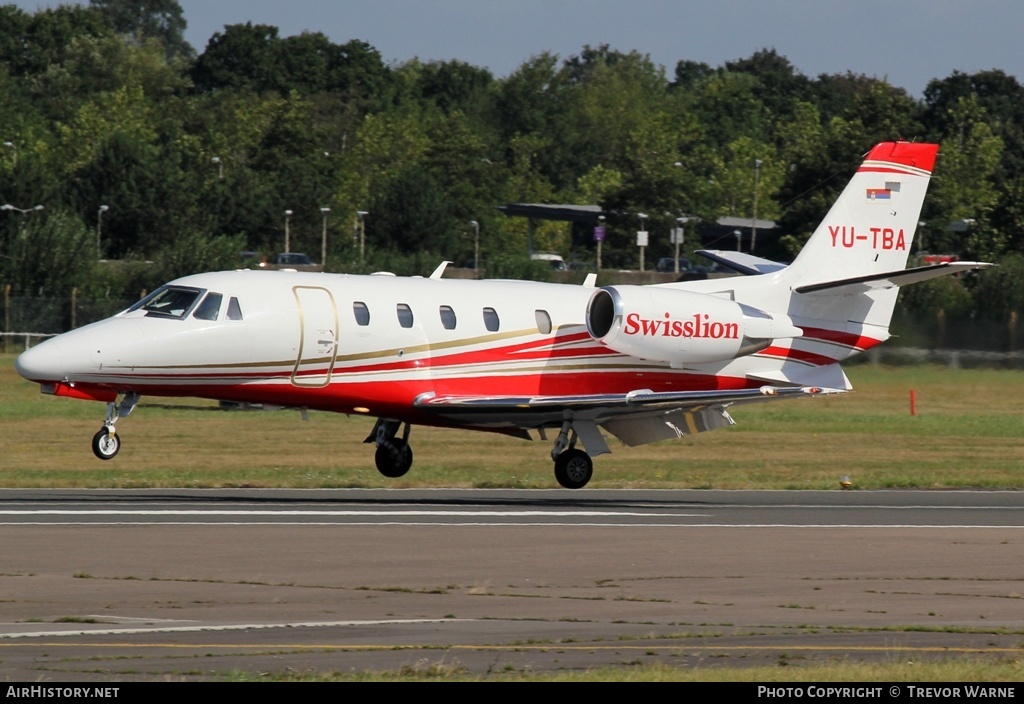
(879, 194)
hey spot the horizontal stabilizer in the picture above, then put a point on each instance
(890, 279)
(746, 264)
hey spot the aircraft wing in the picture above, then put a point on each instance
(635, 418)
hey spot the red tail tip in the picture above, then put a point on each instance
(919, 155)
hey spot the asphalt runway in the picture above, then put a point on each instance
(107, 585)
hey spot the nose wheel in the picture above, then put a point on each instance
(106, 444)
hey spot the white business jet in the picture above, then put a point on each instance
(532, 360)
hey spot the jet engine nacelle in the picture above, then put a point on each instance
(680, 327)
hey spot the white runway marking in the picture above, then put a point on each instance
(207, 627)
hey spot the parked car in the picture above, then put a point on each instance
(555, 260)
(294, 260)
(253, 260)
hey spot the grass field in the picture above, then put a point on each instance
(968, 432)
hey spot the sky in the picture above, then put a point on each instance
(906, 42)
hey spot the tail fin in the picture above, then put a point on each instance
(842, 275)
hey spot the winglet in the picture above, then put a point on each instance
(590, 281)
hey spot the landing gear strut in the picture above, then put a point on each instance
(106, 443)
(394, 456)
(573, 467)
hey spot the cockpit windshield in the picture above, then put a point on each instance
(169, 302)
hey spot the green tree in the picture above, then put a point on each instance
(409, 215)
(454, 86)
(194, 253)
(242, 57)
(529, 100)
(964, 185)
(46, 252)
(163, 20)
(31, 46)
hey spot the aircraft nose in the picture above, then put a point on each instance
(44, 362)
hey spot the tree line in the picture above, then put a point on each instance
(140, 149)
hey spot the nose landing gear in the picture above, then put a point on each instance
(106, 443)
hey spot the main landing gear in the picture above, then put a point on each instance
(394, 456)
(106, 443)
(573, 467)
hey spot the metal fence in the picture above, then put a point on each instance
(27, 320)
(57, 315)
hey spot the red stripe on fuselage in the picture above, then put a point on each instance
(396, 397)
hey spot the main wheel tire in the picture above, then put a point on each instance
(393, 458)
(573, 469)
(104, 445)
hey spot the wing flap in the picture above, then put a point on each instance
(640, 430)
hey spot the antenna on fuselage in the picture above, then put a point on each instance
(439, 270)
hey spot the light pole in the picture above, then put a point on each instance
(99, 230)
(678, 238)
(287, 237)
(361, 227)
(753, 223)
(739, 237)
(476, 245)
(323, 240)
(641, 238)
(24, 211)
(599, 233)
(220, 167)
(12, 145)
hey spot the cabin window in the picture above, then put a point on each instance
(209, 308)
(447, 317)
(361, 312)
(491, 319)
(543, 321)
(169, 302)
(234, 309)
(404, 315)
